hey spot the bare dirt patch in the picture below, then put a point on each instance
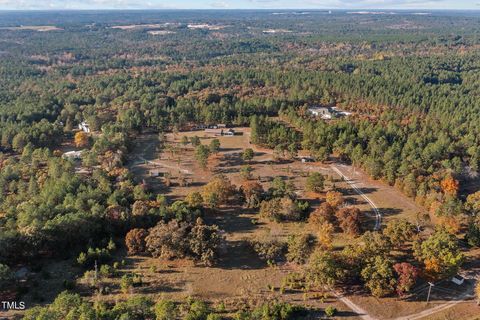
(33, 28)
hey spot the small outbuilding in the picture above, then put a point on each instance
(155, 173)
(84, 127)
(458, 279)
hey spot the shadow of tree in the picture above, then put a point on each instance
(387, 212)
(239, 255)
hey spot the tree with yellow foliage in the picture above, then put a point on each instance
(220, 189)
(81, 139)
(334, 198)
(439, 253)
(194, 199)
(473, 203)
(325, 235)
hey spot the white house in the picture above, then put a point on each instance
(327, 113)
(73, 155)
(323, 112)
(341, 112)
(84, 127)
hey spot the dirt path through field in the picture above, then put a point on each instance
(355, 308)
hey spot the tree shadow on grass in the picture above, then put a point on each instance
(345, 314)
(156, 287)
(239, 255)
(231, 150)
(225, 170)
(349, 191)
(388, 212)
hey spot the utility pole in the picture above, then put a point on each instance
(429, 290)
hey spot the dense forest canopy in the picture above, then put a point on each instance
(410, 79)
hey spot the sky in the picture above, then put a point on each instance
(237, 4)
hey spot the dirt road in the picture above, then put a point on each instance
(378, 215)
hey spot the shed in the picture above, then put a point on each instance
(85, 127)
(155, 173)
(458, 279)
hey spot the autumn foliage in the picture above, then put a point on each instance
(334, 199)
(81, 139)
(407, 276)
(252, 191)
(324, 213)
(450, 185)
(135, 241)
(325, 235)
(349, 220)
(218, 191)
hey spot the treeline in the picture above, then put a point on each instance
(430, 94)
(73, 306)
(274, 135)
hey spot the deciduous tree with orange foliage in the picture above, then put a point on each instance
(81, 139)
(323, 213)
(349, 220)
(450, 185)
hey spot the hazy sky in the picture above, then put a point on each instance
(239, 4)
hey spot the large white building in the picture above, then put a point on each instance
(327, 113)
(323, 112)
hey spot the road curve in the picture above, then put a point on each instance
(378, 214)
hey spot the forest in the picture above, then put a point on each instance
(410, 82)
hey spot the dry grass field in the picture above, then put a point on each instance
(240, 274)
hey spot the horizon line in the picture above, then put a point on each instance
(241, 9)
